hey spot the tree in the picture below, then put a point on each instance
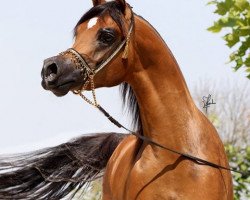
(234, 20)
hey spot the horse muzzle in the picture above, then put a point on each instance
(60, 75)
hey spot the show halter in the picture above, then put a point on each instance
(89, 74)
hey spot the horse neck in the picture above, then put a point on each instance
(166, 108)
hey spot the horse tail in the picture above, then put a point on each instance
(57, 172)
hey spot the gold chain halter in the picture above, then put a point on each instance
(88, 73)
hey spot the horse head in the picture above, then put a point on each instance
(99, 51)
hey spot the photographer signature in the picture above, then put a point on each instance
(207, 101)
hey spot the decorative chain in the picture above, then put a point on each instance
(92, 86)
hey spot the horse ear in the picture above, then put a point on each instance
(123, 2)
(98, 2)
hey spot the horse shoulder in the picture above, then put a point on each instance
(118, 169)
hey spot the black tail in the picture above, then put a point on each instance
(57, 172)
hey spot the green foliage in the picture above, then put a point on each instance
(235, 21)
(239, 159)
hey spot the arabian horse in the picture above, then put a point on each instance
(114, 46)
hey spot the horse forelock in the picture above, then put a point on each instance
(112, 8)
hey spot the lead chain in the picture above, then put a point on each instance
(92, 85)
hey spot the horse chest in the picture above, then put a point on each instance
(134, 174)
(154, 178)
(128, 177)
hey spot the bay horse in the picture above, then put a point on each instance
(114, 46)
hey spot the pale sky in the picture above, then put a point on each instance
(30, 31)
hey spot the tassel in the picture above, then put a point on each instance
(125, 52)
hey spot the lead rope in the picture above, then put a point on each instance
(119, 125)
(94, 101)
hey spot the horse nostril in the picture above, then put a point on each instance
(51, 69)
(50, 72)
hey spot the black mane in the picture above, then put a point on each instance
(130, 102)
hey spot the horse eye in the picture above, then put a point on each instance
(106, 37)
